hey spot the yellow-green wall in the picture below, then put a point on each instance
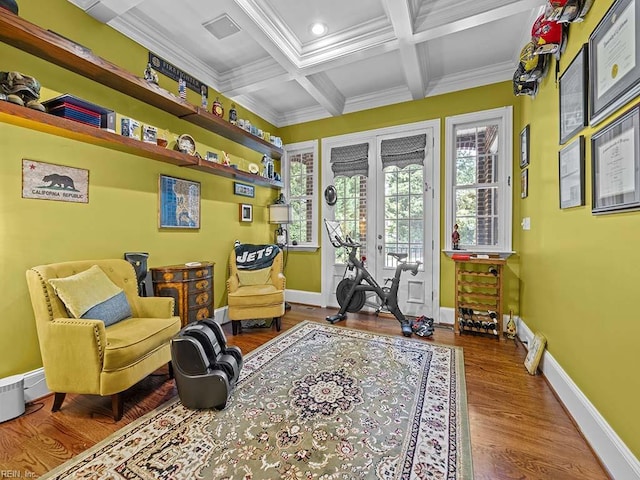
(579, 276)
(573, 276)
(436, 107)
(122, 213)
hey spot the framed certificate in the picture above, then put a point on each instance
(614, 59)
(524, 147)
(573, 96)
(571, 174)
(615, 157)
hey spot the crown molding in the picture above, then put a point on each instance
(470, 79)
(135, 28)
(252, 77)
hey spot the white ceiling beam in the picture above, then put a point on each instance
(475, 20)
(324, 91)
(402, 21)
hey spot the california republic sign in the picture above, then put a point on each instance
(46, 181)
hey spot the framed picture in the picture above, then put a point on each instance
(614, 59)
(524, 183)
(573, 96)
(48, 181)
(524, 147)
(534, 355)
(246, 212)
(179, 203)
(615, 157)
(244, 189)
(571, 174)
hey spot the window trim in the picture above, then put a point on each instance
(504, 117)
(289, 149)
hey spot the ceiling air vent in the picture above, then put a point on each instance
(222, 27)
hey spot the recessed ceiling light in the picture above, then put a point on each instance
(319, 28)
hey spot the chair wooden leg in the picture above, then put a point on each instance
(236, 327)
(57, 401)
(170, 366)
(117, 406)
(278, 323)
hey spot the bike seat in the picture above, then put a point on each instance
(398, 256)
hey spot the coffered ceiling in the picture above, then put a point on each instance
(263, 55)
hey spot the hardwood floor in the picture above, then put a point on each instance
(519, 430)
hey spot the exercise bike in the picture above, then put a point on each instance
(352, 290)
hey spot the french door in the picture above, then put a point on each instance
(389, 207)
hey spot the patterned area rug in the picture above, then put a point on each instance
(317, 402)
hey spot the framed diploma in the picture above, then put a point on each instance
(615, 157)
(573, 96)
(524, 146)
(571, 174)
(614, 59)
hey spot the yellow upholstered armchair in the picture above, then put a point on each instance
(96, 335)
(257, 293)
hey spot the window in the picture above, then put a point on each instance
(301, 180)
(478, 180)
(351, 211)
(403, 212)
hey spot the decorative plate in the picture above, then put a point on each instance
(253, 168)
(186, 144)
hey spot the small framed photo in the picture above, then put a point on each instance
(524, 147)
(615, 158)
(524, 183)
(614, 60)
(246, 212)
(571, 174)
(534, 355)
(573, 96)
(243, 189)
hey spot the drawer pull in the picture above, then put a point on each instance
(201, 273)
(202, 314)
(202, 298)
(202, 284)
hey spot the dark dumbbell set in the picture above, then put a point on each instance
(478, 323)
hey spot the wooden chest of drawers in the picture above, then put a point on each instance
(190, 286)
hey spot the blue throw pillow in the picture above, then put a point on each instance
(92, 294)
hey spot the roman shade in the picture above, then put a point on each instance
(403, 151)
(350, 160)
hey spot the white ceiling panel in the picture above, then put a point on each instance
(377, 52)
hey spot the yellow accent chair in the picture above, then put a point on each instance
(253, 294)
(84, 355)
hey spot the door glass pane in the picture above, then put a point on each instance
(351, 211)
(404, 206)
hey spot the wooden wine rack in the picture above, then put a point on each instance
(479, 288)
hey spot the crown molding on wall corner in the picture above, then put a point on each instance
(134, 28)
(469, 79)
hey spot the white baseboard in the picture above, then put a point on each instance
(35, 385)
(612, 451)
(304, 297)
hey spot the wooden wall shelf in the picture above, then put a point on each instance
(44, 44)
(62, 127)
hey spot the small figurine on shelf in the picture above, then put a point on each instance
(217, 109)
(225, 159)
(150, 74)
(233, 114)
(455, 238)
(204, 94)
(182, 88)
